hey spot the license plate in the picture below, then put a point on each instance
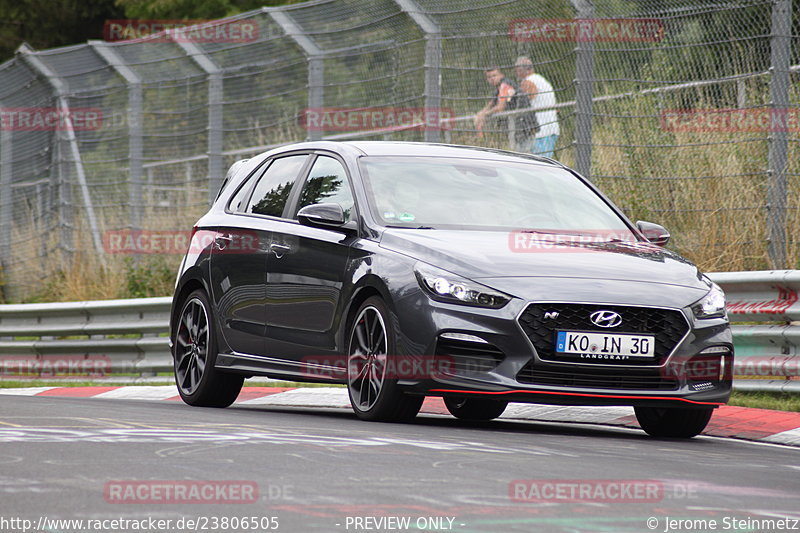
(579, 342)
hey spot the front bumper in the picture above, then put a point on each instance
(507, 365)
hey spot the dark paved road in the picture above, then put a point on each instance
(323, 470)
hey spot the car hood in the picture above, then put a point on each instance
(481, 255)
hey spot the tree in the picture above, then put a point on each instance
(192, 9)
(51, 23)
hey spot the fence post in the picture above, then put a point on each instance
(216, 172)
(741, 93)
(316, 90)
(316, 63)
(6, 200)
(61, 198)
(135, 135)
(59, 91)
(584, 86)
(433, 64)
(780, 45)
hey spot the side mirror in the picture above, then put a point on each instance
(654, 233)
(321, 215)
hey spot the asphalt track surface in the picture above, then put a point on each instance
(316, 469)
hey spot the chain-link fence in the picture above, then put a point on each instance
(684, 111)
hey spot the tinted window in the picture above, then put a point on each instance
(327, 183)
(275, 185)
(237, 201)
(439, 191)
(235, 168)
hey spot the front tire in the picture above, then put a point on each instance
(474, 408)
(194, 355)
(673, 422)
(372, 348)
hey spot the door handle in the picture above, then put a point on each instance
(279, 249)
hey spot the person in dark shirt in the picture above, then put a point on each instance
(507, 97)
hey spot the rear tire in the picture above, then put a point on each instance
(194, 353)
(474, 408)
(372, 343)
(673, 422)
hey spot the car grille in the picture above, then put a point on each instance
(596, 378)
(468, 357)
(540, 323)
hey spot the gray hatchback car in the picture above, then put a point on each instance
(407, 270)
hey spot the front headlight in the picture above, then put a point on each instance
(447, 287)
(712, 305)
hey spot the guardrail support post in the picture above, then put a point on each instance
(584, 86)
(781, 45)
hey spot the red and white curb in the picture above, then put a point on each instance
(778, 427)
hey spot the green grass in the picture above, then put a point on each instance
(778, 401)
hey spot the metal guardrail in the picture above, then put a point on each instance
(767, 350)
(96, 337)
(130, 336)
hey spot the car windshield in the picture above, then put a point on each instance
(441, 192)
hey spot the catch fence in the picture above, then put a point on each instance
(685, 112)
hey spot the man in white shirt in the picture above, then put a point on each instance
(541, 95)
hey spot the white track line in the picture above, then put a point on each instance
(28, 391)
(790, 437)
(140, 392)
(586, 414)
(305, 397)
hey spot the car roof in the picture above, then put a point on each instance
(398, 148)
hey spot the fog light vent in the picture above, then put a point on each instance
(467, 355)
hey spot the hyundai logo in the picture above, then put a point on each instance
(606, 319)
